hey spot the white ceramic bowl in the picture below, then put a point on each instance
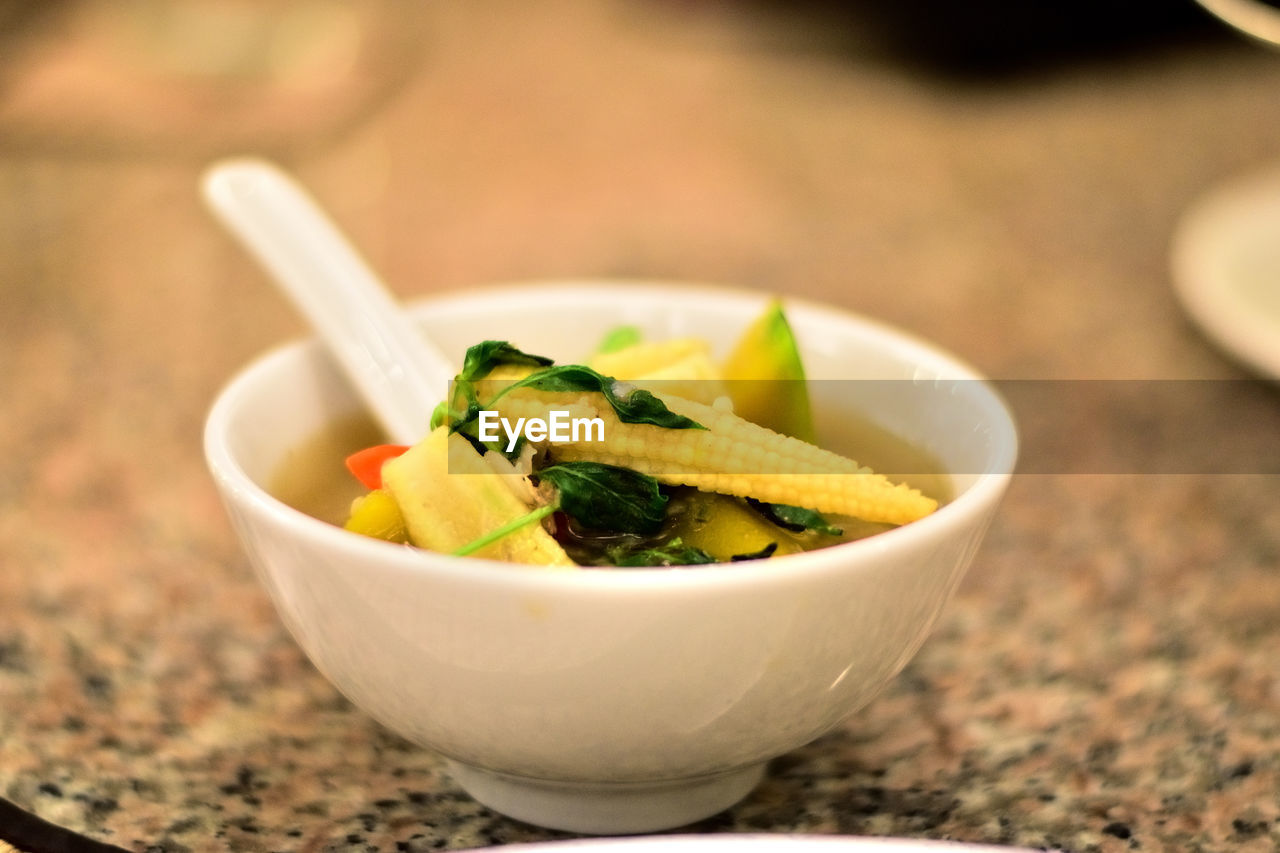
(605, 700)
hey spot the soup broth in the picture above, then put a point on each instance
(313, 478)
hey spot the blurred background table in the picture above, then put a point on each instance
(1106, 678)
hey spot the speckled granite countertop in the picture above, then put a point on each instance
(1107, 677)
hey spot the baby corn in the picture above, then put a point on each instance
(731, 456)
(449, 495)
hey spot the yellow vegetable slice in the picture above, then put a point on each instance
(376, 514)
(450, 496)
(726, 528)
(680, 366)
(765, 377)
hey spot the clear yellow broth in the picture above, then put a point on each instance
(313, 477)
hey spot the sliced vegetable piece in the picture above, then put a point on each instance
(366, 465)
(631, 405)
(726, 528)
(377, 515)
(450, 496)
(619, 337)
(681, 366)
(530, 517)
(728, 455)
(765, 377)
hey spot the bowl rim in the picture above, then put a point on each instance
(236, 486)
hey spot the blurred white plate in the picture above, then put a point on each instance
(776, 843)
(1226, 268)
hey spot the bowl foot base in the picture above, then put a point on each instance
(606, 809)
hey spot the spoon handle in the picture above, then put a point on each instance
(398, 372)
(1254, 18)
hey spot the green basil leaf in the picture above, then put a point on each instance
(565, 377)
(440, 414)
(641, 407)
(795, 518)
(607, 497)
(671, 553)
(482, 358)
(638, 406)
(478, 363)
